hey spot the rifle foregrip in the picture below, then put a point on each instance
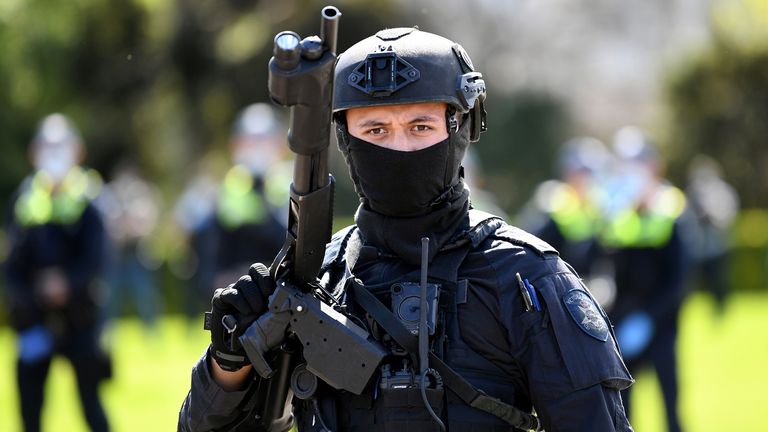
(311, 224)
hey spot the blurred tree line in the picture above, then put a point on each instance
(718, 100)
(158, 82)
(718, 106)
(155, 81)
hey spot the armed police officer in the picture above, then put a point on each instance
(512, 330)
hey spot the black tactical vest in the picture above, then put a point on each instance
(402, 409)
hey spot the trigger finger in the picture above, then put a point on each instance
(260, 275)
(251, 294)
(230, 298)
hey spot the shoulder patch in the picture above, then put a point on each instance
(586, 314)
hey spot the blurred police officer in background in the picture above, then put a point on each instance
(712, 207)
(247, 222)
(643, 238)
(513, 320)
(131, 208)
(191, 218)
(570, 205)
(567, 213)
(57, 242)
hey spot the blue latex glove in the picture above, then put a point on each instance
(35, 344)
(634, 333)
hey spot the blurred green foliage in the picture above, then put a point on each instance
(718, 106)
(158, 82)
(154, 81)
(525, 131)
(749, 257)
(718, 101)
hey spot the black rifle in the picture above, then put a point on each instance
(299, 328)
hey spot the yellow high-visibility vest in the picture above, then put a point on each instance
(651, 228)
(42, 203)
(576, 219)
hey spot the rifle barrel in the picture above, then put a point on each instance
(329, 26)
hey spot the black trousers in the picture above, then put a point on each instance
(89, 364)
(713, 277)
(662, 355)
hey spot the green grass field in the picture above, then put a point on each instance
(723, 380)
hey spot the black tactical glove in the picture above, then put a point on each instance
(233, 309)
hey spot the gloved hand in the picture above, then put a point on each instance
(35, 343)
(634, 333)
(233, 309)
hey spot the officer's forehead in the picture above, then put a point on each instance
(426, 111)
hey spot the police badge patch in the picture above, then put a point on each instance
(587, 315)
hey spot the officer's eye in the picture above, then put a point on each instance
(422, 129)
(377, 131)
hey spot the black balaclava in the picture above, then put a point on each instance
(407, 195)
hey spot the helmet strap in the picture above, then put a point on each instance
(451, 121)
(478, 116)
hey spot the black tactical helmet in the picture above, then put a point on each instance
(583, 154)
(631, 144)
(406, 65)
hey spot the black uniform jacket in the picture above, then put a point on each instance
(77, 249)
(558, 355)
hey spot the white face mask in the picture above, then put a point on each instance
(258, 157)
(56, 161)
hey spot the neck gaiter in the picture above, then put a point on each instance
(407, 195)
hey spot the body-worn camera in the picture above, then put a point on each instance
(394, 378)
(406, 301)
(404, 377)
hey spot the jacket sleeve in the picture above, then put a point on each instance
(673, 264)
(572, 365)
(90, 260)
(208, 407)
(23, 308)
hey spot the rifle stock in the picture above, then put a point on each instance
(301, 77)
